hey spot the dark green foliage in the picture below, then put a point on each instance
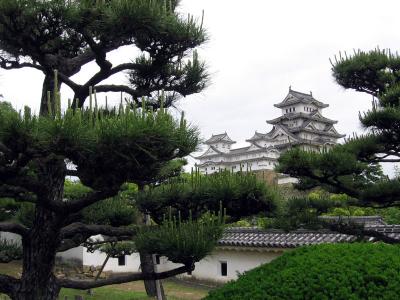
(337, 170)
(124, 143)
(304, 211)
(183, 242)
(108, 149)
(330, 271)
(117, 249)
(241, 194)
(114, 211)
(9, 251)
(119, 210)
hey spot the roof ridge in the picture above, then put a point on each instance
(310, 95)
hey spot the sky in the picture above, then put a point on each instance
(256, 50)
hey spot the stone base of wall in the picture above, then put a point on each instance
(269, 176)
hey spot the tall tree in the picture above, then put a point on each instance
(353, 168)
(65, 35)
(108, 149)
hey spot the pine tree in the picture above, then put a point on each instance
(108, 148)
(65, 35)
(353, 168)
(241, 195)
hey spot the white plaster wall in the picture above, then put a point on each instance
(132, 262)
(286, 180)
(262, 165)
(299, 107)
(319, 125)
(237, 262)
(72, 254)
(12, 237)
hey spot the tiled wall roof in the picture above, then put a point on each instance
(256, 237)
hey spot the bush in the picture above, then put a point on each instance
(184, 242)
(329, 271)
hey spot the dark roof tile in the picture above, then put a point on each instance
(273, 238)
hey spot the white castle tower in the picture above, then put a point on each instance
(301, 124)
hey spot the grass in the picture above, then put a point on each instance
(175, 290)
(104, 293)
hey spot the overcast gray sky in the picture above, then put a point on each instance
(257, 48)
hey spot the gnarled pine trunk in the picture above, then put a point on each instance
(41, 242)
(39, 250)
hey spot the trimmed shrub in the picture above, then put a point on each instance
(329, 271)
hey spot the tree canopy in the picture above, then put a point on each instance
(65, 35)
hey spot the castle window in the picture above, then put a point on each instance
(224, 268)
(121, 260)
(294, 108)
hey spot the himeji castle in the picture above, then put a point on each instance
(301, 124)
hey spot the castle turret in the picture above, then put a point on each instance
(222, 142)
(302, 118)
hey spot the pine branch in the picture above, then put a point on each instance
(14, 228)
(86, 284)
(84, 240)
(7, 284)
(89, 230)
(77, 205)
(118, 88)
(106, 73)
(98, 49)
(65, 79)
(71, 173)
(17, 193)
(70, 243)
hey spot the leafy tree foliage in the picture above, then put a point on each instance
(353, 168)
(329, 271)
(65, 35)
(108, 148)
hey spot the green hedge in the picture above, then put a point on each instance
(330, 271)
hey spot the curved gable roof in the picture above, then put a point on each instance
(223, 137)
(294, 97)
